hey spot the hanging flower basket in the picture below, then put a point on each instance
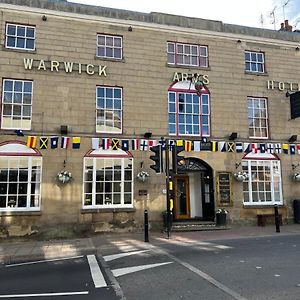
(240, 176)
(143, 176)
(296, 177)
(64, 177)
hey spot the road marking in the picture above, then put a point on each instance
(205, 276)
(277, 275)
(124, 271)
(42, 261)
(258, 267)
(44, 295)
(97, 275)
(116, 256)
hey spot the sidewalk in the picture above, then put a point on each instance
(12, 251)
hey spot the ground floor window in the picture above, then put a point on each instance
(263, 183)
(107, 182)
(20, 182)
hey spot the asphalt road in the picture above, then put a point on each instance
(183, 268)
(247, 268)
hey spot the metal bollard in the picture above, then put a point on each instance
(277, 218)
(146, 226)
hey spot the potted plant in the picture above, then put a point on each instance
(64, 176)
(221, 214)
(296, 177)
(240, 176)
(143, 176)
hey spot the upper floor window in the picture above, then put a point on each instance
(20, 177)
(16, 104)
(189, 113)
(109, 109)
(255, 62)
(258, 117)
(109, 46)
(263, 183)
(20, 37)
(187, 54)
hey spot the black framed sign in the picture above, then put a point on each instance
(224, 189)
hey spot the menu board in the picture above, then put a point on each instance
(224, 187)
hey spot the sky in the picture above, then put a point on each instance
(253, 13)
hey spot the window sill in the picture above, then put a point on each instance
(188, 67)
(107, 210)
(19, 50)
(256, 74)
(20, 213)
(262, 206)
(110, 59)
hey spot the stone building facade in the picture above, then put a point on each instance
(92, 89)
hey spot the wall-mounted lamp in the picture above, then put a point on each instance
(63, 129)
(294, 166)
(44, 18)
(293, 138)
(147, 135)
(232, 136)
(239, 41)
(129, 28)
(297, 49)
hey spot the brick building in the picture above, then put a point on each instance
(93, 88)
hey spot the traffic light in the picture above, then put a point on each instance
(176, 158)
(157, 158)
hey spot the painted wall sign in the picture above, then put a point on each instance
(194, 77)
(283, 86)
(66, 66)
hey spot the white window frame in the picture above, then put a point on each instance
(189, 88)
(253, 62)
(12, 152)
(108, 113)
(258, 106)
(17, 37)
(113, 47)
(192, 54)
(251, 165)
(107, 155)
(18, 121)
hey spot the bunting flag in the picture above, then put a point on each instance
(293, 149)
(125, 145)
(247, 147)
(298, 149)
(239, 147)
(44, 142)
(262, 148)
(144, 145)
(277, 148)
(19, 132)
(76, 142)
(188, 146)
(214, 146)
(285, 148)
(95, 143)
(270, 148)
(162, 142)
(197, 146)
(230, 147)
(115, 144)
(65, 141)
(134, 144)
(105, 143)
(152, 143)
(254, 148)
(179, 143)
(54, 142)
(31, 141)
(222, 146)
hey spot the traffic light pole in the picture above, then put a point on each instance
(167, 172)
